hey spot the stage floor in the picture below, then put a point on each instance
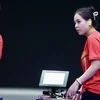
(19, 94)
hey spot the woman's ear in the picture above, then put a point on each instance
(89, 22)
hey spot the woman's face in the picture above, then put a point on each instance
(81, 25)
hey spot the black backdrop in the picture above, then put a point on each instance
(39, 35)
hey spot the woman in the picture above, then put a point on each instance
(1, 46)
(85, 20)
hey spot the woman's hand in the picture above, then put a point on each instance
(77, 96)
(72, 90)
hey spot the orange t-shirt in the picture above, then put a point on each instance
(1, 46)
(91, 52)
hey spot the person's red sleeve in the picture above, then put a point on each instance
(1, 46)
(94, 48)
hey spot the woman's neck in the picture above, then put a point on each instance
(90, 31)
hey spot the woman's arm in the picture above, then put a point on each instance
(95, 66)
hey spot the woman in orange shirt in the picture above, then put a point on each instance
(1, 46)
(85, 20)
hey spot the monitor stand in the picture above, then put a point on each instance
(53, 92)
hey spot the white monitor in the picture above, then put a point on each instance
(54, 78)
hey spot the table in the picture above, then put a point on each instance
(45, 97)
(56, 99)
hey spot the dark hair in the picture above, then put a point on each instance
(88, 13)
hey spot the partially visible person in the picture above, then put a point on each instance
(1, 46)
(88, 84)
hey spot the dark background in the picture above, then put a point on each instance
(39, 35)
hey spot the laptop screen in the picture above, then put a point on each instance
(54, 78)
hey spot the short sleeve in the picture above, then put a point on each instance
(94, 48)
(1, 46)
